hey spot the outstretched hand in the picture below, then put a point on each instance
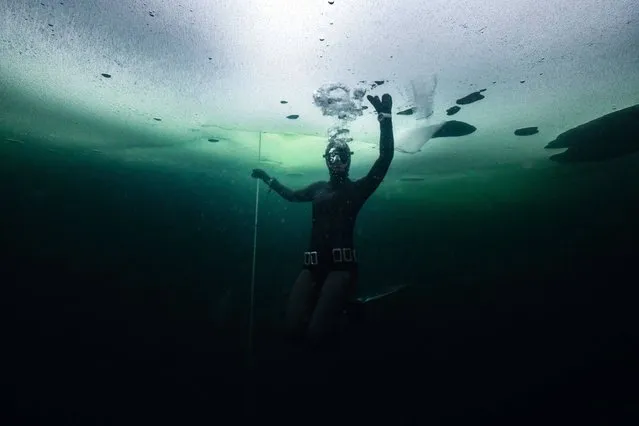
(259, 174)
(385, 105)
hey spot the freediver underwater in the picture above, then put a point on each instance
(326, 286)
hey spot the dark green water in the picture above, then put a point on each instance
(128, 298)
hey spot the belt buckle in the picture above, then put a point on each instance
(310, 258)
(337, 255)
(348, 254)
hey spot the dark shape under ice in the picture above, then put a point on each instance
(454, 128)
(527, 131)
(452, 110)
(469, 99)
(610, 136)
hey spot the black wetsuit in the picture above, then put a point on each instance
(323, 287)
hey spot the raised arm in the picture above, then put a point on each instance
(371, 181)
(300, 195)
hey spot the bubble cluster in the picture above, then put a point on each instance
(339, 101)
(343, 103)
(340, 135)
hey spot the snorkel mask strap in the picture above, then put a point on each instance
(329, 154)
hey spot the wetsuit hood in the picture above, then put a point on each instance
(338, 159)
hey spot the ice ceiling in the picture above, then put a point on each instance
(207, 75)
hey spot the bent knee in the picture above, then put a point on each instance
(295, 328)
(326, 332)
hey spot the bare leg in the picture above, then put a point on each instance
(300, 304)
(329, 309)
